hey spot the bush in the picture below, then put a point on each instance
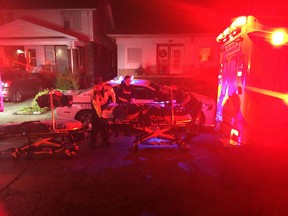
(67, 81)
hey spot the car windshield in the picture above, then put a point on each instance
(154, 86)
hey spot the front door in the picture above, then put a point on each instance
(170, 58)
(31, 55)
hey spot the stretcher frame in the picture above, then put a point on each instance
(169, 130)
(44, 137)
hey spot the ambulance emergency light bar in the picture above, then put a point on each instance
(251, 26)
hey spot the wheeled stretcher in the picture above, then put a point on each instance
(154, 122)
(43, 138)
(47, 137)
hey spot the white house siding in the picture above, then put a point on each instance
(40, 27)
(148, 43)
(21, 32)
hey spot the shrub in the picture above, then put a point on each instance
(67, 81)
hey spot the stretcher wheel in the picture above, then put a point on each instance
(183, 147)
(70, 153)
(135, 146)
(14, 154)
(76, 148)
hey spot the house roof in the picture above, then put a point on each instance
(36, 31)
(57, 28)
(173, 16)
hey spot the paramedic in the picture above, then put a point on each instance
(111, 96)
(190, 104)
(125, 91)
(99, 124)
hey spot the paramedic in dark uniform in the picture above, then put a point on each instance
(99, 124)
(125, 92)
(190, 104)
(125, 96)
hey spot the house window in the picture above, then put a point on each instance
(67, 24)
(134, 55)
(205, 55)
(71, 19)
(58, 56)
(50, 55)
(62, 59)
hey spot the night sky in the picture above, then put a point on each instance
(174, 15)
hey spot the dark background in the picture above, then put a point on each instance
(195, 15)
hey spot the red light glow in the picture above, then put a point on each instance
(275, 94)
(239, 22)
(278, 38)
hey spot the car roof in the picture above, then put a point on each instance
(139, 82)
(117, 81)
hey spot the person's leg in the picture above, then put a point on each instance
(93, 132)
(105, 134)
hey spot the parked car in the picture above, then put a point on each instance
(18, 84)
(145, 92)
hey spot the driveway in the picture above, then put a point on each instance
(10, 108)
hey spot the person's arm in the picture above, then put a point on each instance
(186, 100)
(120, 95)
(122, 99)
(97, 104)
(113, 96)
(132, 95)
(104, 99)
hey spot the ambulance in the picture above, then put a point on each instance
(252, 102)
(1, 95)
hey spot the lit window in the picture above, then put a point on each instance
(205, 54)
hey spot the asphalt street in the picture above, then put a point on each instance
(209, 179)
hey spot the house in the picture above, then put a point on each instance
(162, 42)
(165, 54)
(59, 40)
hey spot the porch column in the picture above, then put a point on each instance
(73, 57)
(72, 60)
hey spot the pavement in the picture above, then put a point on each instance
(209, 179)
(10, 108)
